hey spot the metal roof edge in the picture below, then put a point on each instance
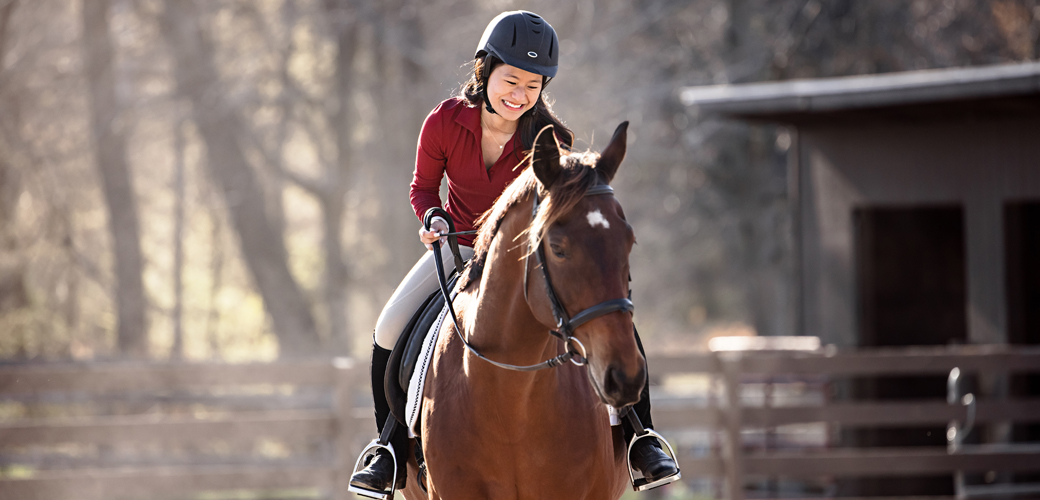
(865, 91)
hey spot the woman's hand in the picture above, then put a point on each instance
(437, 226)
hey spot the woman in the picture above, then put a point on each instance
(477, 139)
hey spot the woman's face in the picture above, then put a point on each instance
(512, 91)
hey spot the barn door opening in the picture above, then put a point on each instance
(1022, 247)
(911, 290)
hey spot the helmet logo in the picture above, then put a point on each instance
(532, 54)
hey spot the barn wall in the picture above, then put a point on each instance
(979, 164)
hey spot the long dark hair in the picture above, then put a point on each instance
(532, 121)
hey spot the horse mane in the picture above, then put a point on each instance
(569, 188)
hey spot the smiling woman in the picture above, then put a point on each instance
(511, 92)
(478, 139)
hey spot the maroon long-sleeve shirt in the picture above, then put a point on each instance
(449, 144)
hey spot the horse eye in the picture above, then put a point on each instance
(557, 250)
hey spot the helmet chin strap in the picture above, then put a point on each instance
(487, 102)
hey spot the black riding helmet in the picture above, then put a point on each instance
(521, 39)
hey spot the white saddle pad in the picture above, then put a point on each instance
(418, 379)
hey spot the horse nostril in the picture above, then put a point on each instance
(622, 388)
(616, 380)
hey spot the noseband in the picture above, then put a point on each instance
(565, 325)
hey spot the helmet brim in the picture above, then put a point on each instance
(519, 62)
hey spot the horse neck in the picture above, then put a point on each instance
(503, 326)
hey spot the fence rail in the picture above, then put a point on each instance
(315, 404)
(731, 417)
(206, 419)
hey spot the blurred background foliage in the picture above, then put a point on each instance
(228, 179)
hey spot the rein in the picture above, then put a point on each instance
(564, 326)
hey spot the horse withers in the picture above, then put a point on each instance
(555, 244)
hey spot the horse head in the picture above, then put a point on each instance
(586, 243)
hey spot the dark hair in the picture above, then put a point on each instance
(532, 121)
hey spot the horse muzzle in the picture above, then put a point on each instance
(618, 387)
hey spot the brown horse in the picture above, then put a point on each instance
(490, 432)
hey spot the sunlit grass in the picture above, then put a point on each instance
(16, 471)
(258, 495)
(674, 491)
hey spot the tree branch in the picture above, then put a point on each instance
(6, 13)
(275, 165)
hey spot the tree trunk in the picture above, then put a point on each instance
(6, 13)
(337, 175)
(217, 272)
(110, 155)
(400, 41)
(262, 246)
(177, 350)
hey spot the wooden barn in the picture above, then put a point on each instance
(916, 206)
(916, 198)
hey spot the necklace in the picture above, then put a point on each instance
(492, 133)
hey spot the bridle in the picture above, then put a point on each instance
(565, 325)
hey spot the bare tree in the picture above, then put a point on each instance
(327, 97)
(13, 292)
(110, 156)
(326, 118)
(332, 188)
(263, 248)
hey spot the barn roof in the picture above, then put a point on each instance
(999, 89)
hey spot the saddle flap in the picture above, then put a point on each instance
(405, 355)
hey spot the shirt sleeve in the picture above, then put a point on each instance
(430, 161)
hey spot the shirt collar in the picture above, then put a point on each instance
(469, 118)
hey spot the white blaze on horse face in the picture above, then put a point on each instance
(596, 218)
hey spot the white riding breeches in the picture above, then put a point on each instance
(416, 286)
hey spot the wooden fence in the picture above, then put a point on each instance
(733, 369)
(206, 410)
(292, 429)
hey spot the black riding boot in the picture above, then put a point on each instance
(379, 471)
(647, 455)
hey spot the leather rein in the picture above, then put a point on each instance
(565, 325)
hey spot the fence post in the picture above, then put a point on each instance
(732, 452)
(343, 380)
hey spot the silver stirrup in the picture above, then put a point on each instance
(642, 484)
(381, 495)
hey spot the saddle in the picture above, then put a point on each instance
(404, 358)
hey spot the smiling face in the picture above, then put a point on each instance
(512, 91)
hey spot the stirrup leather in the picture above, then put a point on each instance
(359, 465)
(642, 484)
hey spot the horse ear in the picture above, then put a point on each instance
(610, 159)
(545, 157)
